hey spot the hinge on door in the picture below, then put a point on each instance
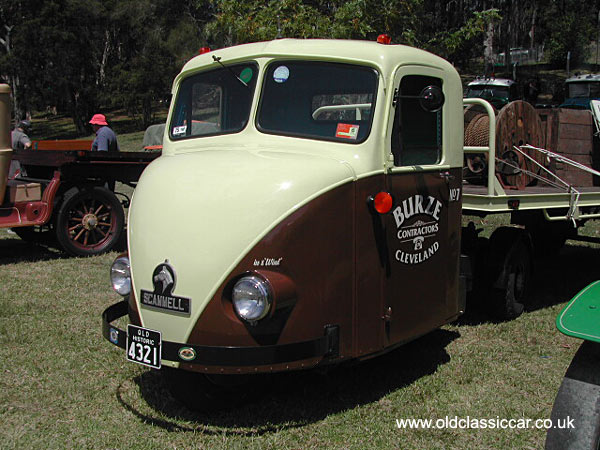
(395, 98)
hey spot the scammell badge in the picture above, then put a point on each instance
(162, 298)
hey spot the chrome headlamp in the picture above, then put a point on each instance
(252, 298)
(120, 275)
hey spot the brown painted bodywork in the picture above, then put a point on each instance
(339, 255)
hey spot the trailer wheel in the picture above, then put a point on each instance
(510, 271)
(577, 401)
(200, 392)
(549, 237)
(89, 221)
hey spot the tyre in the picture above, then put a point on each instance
(510, 271)
(200, 392)
(577, 402)
(89, 221)
(549, 237)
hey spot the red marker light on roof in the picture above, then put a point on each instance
(384, 39)
(383, 203)
(204, 50)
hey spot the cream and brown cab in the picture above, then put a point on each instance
(258, 242)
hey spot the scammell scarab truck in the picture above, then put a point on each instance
(306, 211)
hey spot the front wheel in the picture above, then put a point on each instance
(89, 221)
(575, 414)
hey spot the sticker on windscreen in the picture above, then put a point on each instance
(246, 75)
(281, 74)
(179, 130)
(347, 131)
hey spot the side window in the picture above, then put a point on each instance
(417, 133)
(214, 102)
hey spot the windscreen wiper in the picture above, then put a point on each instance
(217, 59)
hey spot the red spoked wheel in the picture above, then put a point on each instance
(89, 221)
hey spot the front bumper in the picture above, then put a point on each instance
(326, 346)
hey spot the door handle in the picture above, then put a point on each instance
(446, 176)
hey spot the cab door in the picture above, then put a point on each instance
(423, 228)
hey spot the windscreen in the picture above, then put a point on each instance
(214, 102)
(486, 92)
(318, 100)
(585, 90)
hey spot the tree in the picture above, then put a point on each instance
(568, 27)
(466, 42)
(13, 16)
(154, 41)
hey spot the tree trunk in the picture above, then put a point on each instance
(488, 52)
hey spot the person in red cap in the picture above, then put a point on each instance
(106, 139)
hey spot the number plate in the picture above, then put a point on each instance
(143, 346)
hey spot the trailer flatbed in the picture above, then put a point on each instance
(125, 167)
(556, 203)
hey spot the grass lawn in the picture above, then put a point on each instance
(63, 386)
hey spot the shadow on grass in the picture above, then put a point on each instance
(555, 280)
(295, 399)
(16, 250)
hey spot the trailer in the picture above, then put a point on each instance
(67, 193)
(307, 212)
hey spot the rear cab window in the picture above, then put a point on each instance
(318, 100)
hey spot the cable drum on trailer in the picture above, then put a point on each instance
(516, 124)
(476, 135)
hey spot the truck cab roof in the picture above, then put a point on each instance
(491, 81)
(384, 57)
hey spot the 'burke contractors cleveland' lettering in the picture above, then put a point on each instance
(416, 258)
(407, 233)
(417, 234)
(417, 204)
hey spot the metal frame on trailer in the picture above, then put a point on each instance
(494, 199)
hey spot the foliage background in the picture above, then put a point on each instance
(77, 57)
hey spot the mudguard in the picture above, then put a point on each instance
(581, 317)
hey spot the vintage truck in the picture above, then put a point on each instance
(64, 196)
(306, 211)
(498, 91)
(580, 90)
